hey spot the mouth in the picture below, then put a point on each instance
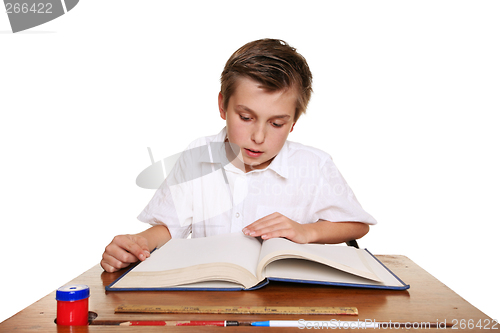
(253, 153)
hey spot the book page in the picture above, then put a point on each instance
(235, 248)
(306, 270)
(208, 285)
(344, 258)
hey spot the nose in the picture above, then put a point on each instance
(258, 134)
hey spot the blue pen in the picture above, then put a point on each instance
(276, 323)
(261, 323)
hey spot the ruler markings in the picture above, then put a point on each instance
(236, 309)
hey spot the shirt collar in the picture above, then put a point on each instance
(280, 162)
(215, 150)
(218, 155)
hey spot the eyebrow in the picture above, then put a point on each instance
(253, 112)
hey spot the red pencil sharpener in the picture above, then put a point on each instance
(73, 305)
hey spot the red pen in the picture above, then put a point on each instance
(181, 323)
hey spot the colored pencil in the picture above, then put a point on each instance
(169, 323)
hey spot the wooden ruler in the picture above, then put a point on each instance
(327, 310)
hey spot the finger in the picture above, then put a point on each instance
(288, 233)
(107, 267)
(118, 260)
(264, 222)
(117, 250)
(280, 232)
(143, 244)
(129, 244)
(278, 229)
(264, 219)
(272, 222)
(111, 264)
(281, 226)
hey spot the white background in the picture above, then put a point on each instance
(406, 101)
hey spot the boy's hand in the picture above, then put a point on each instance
(278, 225)
(124, 250)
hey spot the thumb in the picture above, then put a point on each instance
(139, 247)
(144, 245)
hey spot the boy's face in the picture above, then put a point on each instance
(258, 121)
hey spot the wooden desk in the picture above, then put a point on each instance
(427, 300)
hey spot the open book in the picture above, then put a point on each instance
(236, 262)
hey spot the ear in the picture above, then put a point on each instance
(221, 107)
(291, 129)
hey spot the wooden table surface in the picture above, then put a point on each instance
(427, 300)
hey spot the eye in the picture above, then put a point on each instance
(278, 125)
(244, 118)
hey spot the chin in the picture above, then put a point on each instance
(255, 165)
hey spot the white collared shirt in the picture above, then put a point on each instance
(206, 195)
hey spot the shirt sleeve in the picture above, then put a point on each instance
(172, 204)
(334, 200)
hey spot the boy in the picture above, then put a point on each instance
(249, 177)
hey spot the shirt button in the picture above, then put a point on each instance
(237, 215)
